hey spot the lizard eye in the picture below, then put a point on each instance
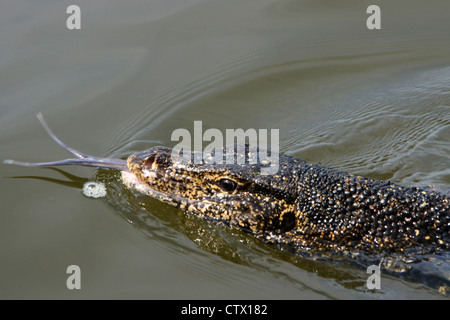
(227, 185)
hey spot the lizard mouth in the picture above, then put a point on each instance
(152, 173)
(132, 182)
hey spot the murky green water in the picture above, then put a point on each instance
(371, 102)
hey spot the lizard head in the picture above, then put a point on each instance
(237, 193)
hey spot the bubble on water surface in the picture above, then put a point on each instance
(93, 189)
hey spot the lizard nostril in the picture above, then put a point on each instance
(149, 161)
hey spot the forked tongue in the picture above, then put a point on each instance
(82, 159)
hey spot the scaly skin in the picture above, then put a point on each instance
(304, 206)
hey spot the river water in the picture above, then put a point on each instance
(371, 102)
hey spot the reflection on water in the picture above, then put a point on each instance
(374, 103)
